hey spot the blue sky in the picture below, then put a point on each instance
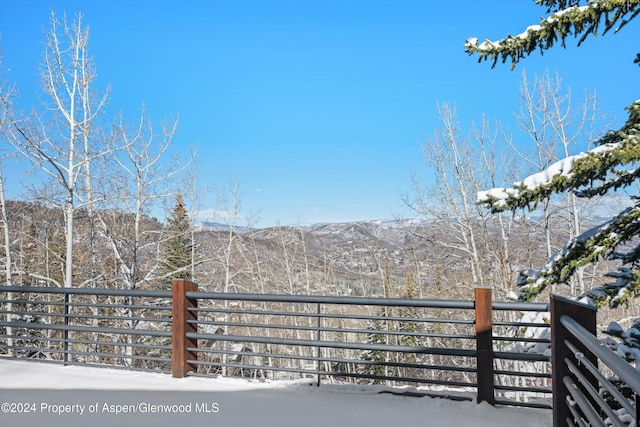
(316, 108)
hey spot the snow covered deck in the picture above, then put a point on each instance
(39, 394)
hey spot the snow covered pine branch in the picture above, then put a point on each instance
(568, 18)
(587, 174)
(609, 166)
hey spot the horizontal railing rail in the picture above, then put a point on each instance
(147, 293)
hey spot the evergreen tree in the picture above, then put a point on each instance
(410, 326)
(608, 167)
(377, 358)
(177, 247)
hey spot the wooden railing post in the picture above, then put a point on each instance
(180, 355)
(484, 345)
(585, 316)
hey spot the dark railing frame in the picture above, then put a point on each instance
(482, 306)
(573, 331)
(185, 336)
(574, 339)
(65, 327)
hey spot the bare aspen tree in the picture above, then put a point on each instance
(8, 271)
(52, 138)
(229, 211)
(462, 164)
(229, 203)
(57, 139)
(5, 94)
(493, 168)
(534, 126)
(558, 127)
(141, 182)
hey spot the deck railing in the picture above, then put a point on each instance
(112, 327)
(479, 348)
(583, 391)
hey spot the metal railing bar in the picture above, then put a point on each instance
(424, 334)
(90, 342)
(577, 416)
(401, 379)
(404, 365)
(78, 328)
(276, 326)
(39, 349)
(585, 406)
(333, 330)
(88, 291)
(312, 358)
(76, 305)
(120, 356)
(532, 357)
(133, 307)
(256, 367)
(119, 344)
(570, 422)
(335, 344)
(521, 339)
(540, 389)
(109, 317)
(520, 306)
(331, 315)
(252, 312)
(89, 316)
(625, 371)
(58, 350)
(613, 417)
(30, 302)
(329, 300)
(32, 349)
(399, 365)
(602, 380)
(314, 372)
(300, 371)
(523, 374)
(34, 313)
(536, 405)
(256, 354)
(399, 318)
(523, 324)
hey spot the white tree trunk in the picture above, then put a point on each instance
(7, 260)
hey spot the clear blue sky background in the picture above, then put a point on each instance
(317, 108)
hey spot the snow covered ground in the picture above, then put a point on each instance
(41, 394)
